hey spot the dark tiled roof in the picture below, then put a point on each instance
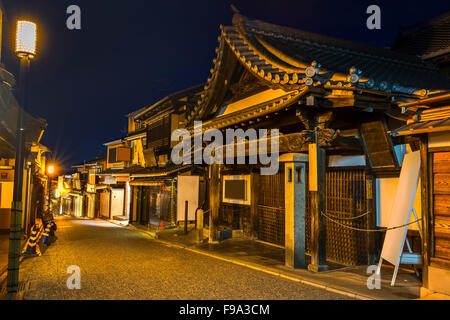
(93, 161)
(337, 55)
(161, 172)
(128, 170)
(427, 40)
(423, 127)
(185, 96)
(431, 114)
(290, 59)
(136, 133)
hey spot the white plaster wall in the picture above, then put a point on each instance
(346, 161)
(7, 189)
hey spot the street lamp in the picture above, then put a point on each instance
(51, 169)
(26, 39)
(50, 172)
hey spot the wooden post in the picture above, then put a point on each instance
(317, 185)
(1, 31)
(254, 205)
(425, 197)
(214, 201)
(139, 205)
(199, 226)
(186, 208)
(373, 238)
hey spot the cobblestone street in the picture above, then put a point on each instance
(117, 263)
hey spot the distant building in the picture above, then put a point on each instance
(429, 40)
(82, 199)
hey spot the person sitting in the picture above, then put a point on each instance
(32, 245)
(48, 237)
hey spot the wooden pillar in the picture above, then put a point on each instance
(426, 212)
(134, 211)
(173, 201)
(373, 238)
(295, 209)
(214, 201)
(199, 225)
(139, 205)
(317, 185)
(1, 32)
(254, 205)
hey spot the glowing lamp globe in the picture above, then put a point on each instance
(26, 39)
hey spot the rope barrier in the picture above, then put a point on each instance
(369, 230)
(352, 218)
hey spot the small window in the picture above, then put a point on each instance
(236, 189)
(112, 158)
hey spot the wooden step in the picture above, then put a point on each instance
(120, 218)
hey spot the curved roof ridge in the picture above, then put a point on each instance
(258, 26)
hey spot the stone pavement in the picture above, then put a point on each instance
(119, 263)
(351, 281)
(4, 251)
(4, 246)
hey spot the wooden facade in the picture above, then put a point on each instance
(440, 165)
(260, 79)
(343, 108)
(428, 127)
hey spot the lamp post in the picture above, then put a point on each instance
(25, 50)
(50, 171)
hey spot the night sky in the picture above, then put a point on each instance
(130, 54)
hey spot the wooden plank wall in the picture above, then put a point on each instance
(441, 204)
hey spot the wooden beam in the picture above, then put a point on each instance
(214, 201)
(254, 204)
(424, 130)
(425, 196)
(317, 164)
(373, 238)
(298, 142)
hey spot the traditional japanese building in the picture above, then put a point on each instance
(429, 129)
(430, 40)
(84, 200)
(154, 194)
(342, 94)
(138, 183)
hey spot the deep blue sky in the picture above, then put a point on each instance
(129, 54)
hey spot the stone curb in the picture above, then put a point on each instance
(3, 278)
(257, 267)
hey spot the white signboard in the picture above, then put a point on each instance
(401, 209)
(187, 190)
(386, 190)
(110, 180)
(117, 200)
